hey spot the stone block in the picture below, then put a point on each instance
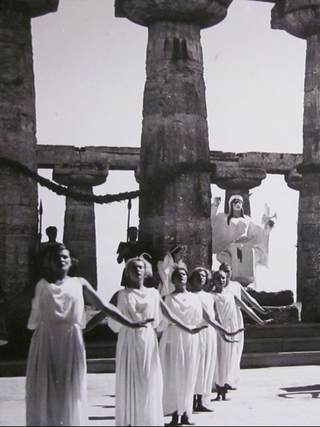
(274, 299)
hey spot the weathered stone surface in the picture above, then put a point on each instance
(79, 220)
(280, 315)
(176, 209)
(203, 13)
(294, 180)
(18, 194)
(31, 8)
(275, 299)
(298, 17)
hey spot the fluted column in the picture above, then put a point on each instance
(174, 159)
(18, 194)
(79, 220)
(302, 19)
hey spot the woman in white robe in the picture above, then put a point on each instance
(56, 388)
(240, 292)
(200, 278)
(139, 381)
(236, 239)
(225, 305)
(179, 351)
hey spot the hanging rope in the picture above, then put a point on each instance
(162, 174)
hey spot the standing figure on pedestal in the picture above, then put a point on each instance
(235, 239)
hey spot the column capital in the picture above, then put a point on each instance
(203, 13)
(33, 8)
(230, 177)
(301, 18)
(294, 179)
(81, 174)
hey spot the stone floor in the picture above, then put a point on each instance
(280, 396)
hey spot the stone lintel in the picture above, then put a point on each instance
(33, 8)
(128, 158)
(199, 12)
(118, 158)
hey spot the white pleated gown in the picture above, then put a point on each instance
(207, 350)
(139, 382)
(227, 352)
(235, 288)
(179, 353)
(56, 387)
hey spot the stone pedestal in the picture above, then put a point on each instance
(79, 220)
(175, 162)
(302, 19)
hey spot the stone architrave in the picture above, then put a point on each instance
(79, 220)
(174, 158)
(301, 18)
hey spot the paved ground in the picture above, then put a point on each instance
(284, 396)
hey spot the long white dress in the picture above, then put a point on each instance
(241, 244)
(235, 288)
(207, 351)
(227, 352)
(139, 380)
(56, 387)
(179, 353)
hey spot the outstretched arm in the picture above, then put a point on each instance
(95, 320)
(175, 319)
(92, 298)
(248, 299)
(218, 325)
(251, 313)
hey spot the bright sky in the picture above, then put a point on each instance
(90, 76)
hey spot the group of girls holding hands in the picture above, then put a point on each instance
(171, 351)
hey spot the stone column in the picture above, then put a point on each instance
(79, 220)
(174, 158)
(302, 19)
(237, 180)
(18, 194)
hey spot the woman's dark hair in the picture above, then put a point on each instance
(231, 214)
(175, 273)
(49, 252)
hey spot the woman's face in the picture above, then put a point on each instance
(237, 205)
(180, 278)
(199, 280)
(220, 281)
(136, 271)
(59, 262)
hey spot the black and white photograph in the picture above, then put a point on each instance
(159, 212)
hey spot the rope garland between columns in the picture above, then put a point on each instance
(162, 174)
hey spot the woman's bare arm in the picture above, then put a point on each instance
(93, 299)
(218, 325)
(175, 319)
(251, 313)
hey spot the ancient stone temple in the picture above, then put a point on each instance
(174, 165)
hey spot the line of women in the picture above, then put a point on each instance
(153, 380)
